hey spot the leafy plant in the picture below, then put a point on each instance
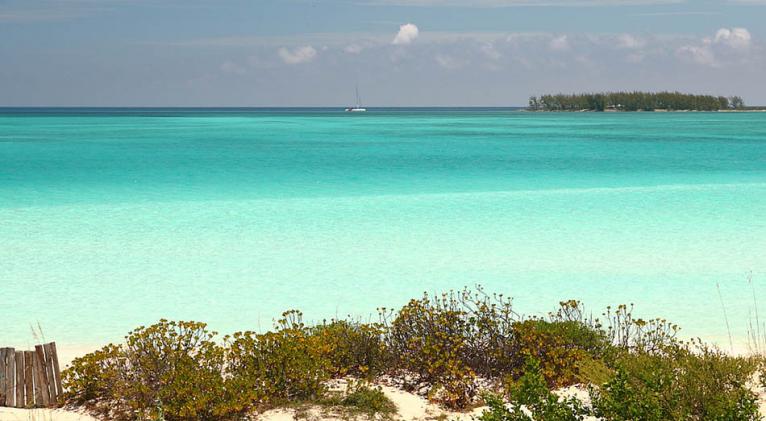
(351, 348)
(559, 347)
(697, 383)
(636, 334)
(280, 366)
(170, 369)
(530, 399)
(428, 340)
(371, 401)
(94, 378)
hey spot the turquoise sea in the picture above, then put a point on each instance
(114, 218)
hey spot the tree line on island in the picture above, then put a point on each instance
(634, 101)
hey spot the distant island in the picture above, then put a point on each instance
(635, 101)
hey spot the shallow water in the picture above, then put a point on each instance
(111, 219)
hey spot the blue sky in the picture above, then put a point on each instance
(400, 52)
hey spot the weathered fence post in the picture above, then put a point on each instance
(10, 375)
(42, 380)
(29, 378)
(3, 375)
(19, 357)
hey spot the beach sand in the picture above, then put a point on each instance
(13, 414)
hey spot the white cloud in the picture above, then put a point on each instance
(738, 38)
(298, 55)
(630, 42)
(729, 45)
(449, 62)
(490, 51)
(232, 68)
(407, 33)
(559, 43)
(353, 49)
(702, 55)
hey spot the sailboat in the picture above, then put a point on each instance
(358, 108)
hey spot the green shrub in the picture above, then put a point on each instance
(678, 383)
(371, 401)
(531, 392)
(95, 377)
(281, 366)
(559, 346)
(351, 348)
(497, 410)
(428, 341)
(171, 370)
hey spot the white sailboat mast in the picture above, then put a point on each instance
(358, 100)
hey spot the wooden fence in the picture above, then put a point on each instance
(30, 378)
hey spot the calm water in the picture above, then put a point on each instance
(110, 219)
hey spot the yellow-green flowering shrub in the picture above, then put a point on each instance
(427, 340)
(351, 348)
(560, 347)
(95, 377)
(280, 366)
(169, 370)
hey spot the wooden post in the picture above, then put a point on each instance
(10, 374)
(3, 378)
(42, 393)
(49, 374)
(19, 379)
(56, 370)
(29, 378)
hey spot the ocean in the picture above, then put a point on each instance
(114, 218)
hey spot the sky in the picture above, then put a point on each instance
(399, 52)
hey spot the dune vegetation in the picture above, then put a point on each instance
(460, 349)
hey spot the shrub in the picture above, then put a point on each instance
(559, 346)
(489, 345)
(428, 341)
(276, 367)
(368, 400)
(531, 392)
(498, 411)
(171, 370)
(635, 334)
(680, 382)
(351, 348)
(618, 399)
(95, 377)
